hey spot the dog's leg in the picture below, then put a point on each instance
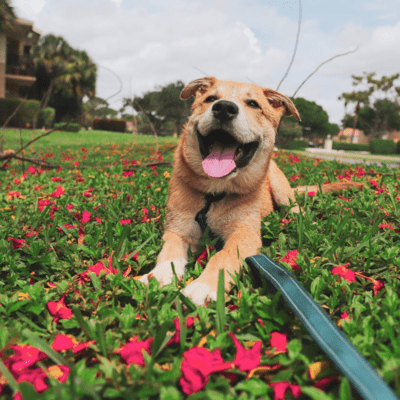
(204, 288)
(174, 250)
(281, 191)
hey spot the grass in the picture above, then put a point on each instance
(73, 242)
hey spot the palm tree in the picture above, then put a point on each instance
(7, 14)
(64, 70)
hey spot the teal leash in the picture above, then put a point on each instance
(328, 336)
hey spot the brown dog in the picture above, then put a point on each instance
(225, 148)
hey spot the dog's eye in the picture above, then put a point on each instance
(252, 103)
(210, 99)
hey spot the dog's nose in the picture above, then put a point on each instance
(225, 110)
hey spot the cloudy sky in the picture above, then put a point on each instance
(156, 42)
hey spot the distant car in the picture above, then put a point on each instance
(311, 144)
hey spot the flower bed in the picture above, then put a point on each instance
(77, 324)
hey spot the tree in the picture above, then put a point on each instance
(380, 87)
(376, 120)
(7, 15)
(289, 129)
(314, 119)
(162, 107)
(64, 75)
(96, 107)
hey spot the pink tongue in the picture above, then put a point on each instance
(220, 162)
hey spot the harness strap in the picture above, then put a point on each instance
(328, 336)
(201, 216)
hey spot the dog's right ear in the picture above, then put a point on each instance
(198, 86)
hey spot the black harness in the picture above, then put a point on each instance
(201, 217)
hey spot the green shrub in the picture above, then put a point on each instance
(24, 116)
(296, 145)
(46, 117)
(382, 146)
(114, 125)
(398, 147)
(350, 146)
(71, 127)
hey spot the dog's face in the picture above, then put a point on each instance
(231, 132)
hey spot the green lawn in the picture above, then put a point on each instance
(76, 324)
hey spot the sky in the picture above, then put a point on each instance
(145, 44)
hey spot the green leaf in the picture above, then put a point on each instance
(316, 394)
(170, 393)
(256, 387)
(220, 319)
(345, 389)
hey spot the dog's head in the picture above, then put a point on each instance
(231, 132)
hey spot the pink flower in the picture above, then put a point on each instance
(14, 194)
(58, 192)
(59, 310)
(132, 352)
(246, 360)
(98, 267)
(198, 363)
(386, 226)
(56, 179)
(125, 221)
(345, 273)
(279, 341)
(291, 258)
(280, 389)
(24, 357)
(85, 217)
(176, 337)
(16, 243)
(62, 342)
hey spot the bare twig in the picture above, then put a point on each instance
(15, 154)
(14, 112)
(295, 47)
(152, 128)
(330, 59)
(198, 69)
(132, 167)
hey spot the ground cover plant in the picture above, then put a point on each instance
(76, 324)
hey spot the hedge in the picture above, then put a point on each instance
(104, 124)
(24, 116)
(296, 145)
(382, 146)
(71, 127)
(350, 146)
(46, 117)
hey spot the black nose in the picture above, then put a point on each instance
(225, 110)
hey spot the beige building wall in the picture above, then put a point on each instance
(3, 43)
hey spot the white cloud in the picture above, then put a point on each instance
(155, 43)
(28, 9)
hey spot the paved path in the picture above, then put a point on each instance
(352, 158)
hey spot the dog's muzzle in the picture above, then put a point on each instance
(244, 151)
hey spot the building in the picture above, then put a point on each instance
(346, 135)
(16, 67)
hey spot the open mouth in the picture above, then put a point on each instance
(219, 139)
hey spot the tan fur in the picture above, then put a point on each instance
(252, 191)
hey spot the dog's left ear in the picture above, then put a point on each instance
(278, 100)
(197, 86)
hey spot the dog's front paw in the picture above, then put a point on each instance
(199, 292)
(163, 272)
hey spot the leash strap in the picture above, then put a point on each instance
(328, 336)
(201, 217)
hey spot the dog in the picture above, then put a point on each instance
(223, 169)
